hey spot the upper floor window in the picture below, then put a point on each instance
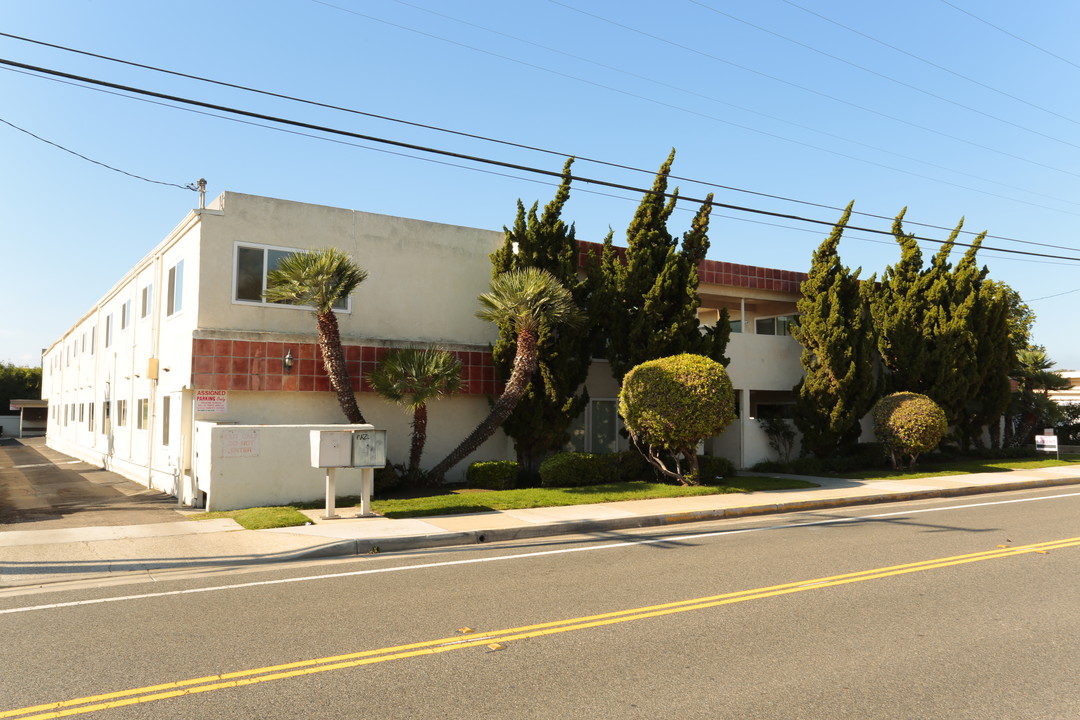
(253, 263)
(774, 325)
(175, 297)
(125, 315)
(108, 330)
(147, 300)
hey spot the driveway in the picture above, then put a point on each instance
(41, 489)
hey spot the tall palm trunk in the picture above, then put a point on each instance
(526, 361)
(419, 437)
(334, 360)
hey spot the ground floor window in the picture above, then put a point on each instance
(166, 406)
(142, 413)
(596, 430)
(121, 413)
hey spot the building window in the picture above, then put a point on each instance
(90, 417)
(125, 315)
(93, 339)
(121, 413)
(774, 325)
(253, 263)
(147, 301)
(106, 410)
(82, 412)
(108, 330)
(596, 429)
(166, 406)
(175, 300)
(142, 413)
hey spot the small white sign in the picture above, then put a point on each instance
(211, 401)
(240, 443)
(1046, 443)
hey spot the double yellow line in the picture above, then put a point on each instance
(241, 678)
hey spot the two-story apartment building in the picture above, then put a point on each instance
(184, 339)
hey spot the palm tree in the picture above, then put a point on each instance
(1030, 408)
(412, 378)
(322, 279)
(526, 301)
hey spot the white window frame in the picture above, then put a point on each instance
(175, 289)
(125, 315)
(146, 300)
(263, 303)
(142, 413)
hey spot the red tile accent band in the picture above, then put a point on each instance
(259, 366)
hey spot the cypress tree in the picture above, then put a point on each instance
(950, 371)
(840, 385)
(540, 421)
(898, 309)
(653, 289)
(995, 358)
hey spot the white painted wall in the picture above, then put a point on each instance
(272, 468)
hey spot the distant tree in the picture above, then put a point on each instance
(653, 287)
(670, 404)
(1032, 408)
(412, 378)
(840, 385)
(319, 279)
(18, 383)
(530, 301)
(908, 424)
(540, 421)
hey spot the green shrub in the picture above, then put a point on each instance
(807, 466)
(633, 467)
(908, 424)
(715, 470)
(773, 466)
(492, 475)
(571, 469)
(387, 479)
(672, 403)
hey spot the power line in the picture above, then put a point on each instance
(581, 157)
(1010, 34)
(883, 76)
(928, 62)
(482, 160)
(189, 186)
(819, 93)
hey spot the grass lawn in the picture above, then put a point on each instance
(964, 467)
(259, 518)
(472, 501)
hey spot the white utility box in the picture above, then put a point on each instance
(369, 448)
(331, 448)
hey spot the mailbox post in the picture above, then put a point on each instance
(361, 446)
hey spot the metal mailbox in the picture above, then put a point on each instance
(331, 448)
(369, 448)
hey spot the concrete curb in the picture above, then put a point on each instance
(574, 527)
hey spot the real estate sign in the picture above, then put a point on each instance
(1046, 443)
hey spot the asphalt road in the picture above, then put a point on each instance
(937, 609)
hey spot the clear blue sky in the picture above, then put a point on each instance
(973, 116)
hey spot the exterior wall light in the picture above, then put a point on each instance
(288, 361)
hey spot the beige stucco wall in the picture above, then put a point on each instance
(423, 277)
(764, 362)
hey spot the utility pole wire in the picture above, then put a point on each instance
(483, 160)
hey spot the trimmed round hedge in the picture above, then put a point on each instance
(674, 402)
(908, 424)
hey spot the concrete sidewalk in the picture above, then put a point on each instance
(30, 558)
